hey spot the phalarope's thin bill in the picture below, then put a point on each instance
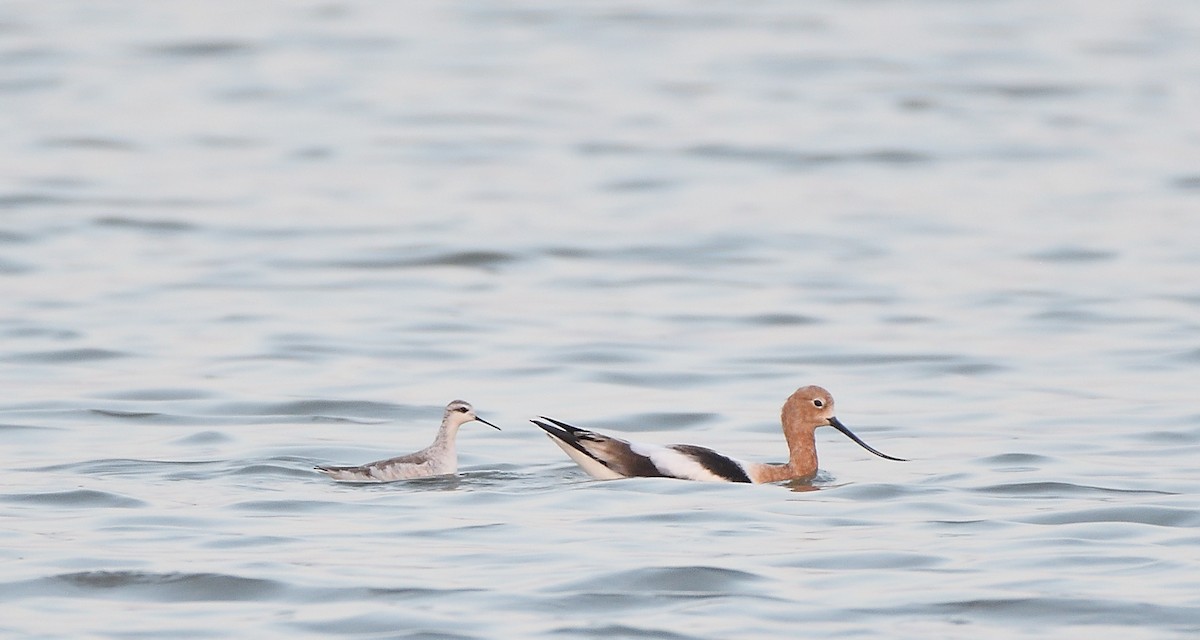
(606, 457)
(439, 458)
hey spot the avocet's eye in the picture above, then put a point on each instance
(818, 403)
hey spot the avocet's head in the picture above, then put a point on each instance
(461, 411)
(811, 407)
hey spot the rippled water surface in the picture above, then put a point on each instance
(238, 240)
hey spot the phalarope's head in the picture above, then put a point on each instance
(461, 411)
(811, 407)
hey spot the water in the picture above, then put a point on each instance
(239, 241)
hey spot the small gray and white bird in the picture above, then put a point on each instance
(438, 459)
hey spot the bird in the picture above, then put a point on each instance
(606, 457)
(439, 458)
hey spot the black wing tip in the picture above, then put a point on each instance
(558, 428)
(567, 435)
(558, 423)
(556, 433)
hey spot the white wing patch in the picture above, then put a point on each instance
(678, 464)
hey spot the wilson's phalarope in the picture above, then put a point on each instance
(606, 457)
(437, 459)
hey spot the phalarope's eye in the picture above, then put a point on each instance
(818, 403)
(462, 409)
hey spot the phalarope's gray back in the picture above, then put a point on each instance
(606, 457)
(439, 458)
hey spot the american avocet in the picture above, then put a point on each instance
(437, 459)
(606, 457)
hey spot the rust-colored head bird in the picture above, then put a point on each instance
(607, 457)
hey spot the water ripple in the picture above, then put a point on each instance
(800, 159)
(475, 259)
(1156, 516)
(404, 259)
(147, 586)
(1060, 611)
(201, 49)
(1074, 255)
(865, 560)
(1060, 490)
(79, 498)
(125, 466)
(339, 409)
(147, 225)
(616, 631)
(66, 356)
(94, 143)
(686, 581)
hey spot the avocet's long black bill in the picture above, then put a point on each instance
(478, 419)
(837, 424)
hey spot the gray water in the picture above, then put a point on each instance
(240, 239)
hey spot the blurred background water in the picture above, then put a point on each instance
(240, 239)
